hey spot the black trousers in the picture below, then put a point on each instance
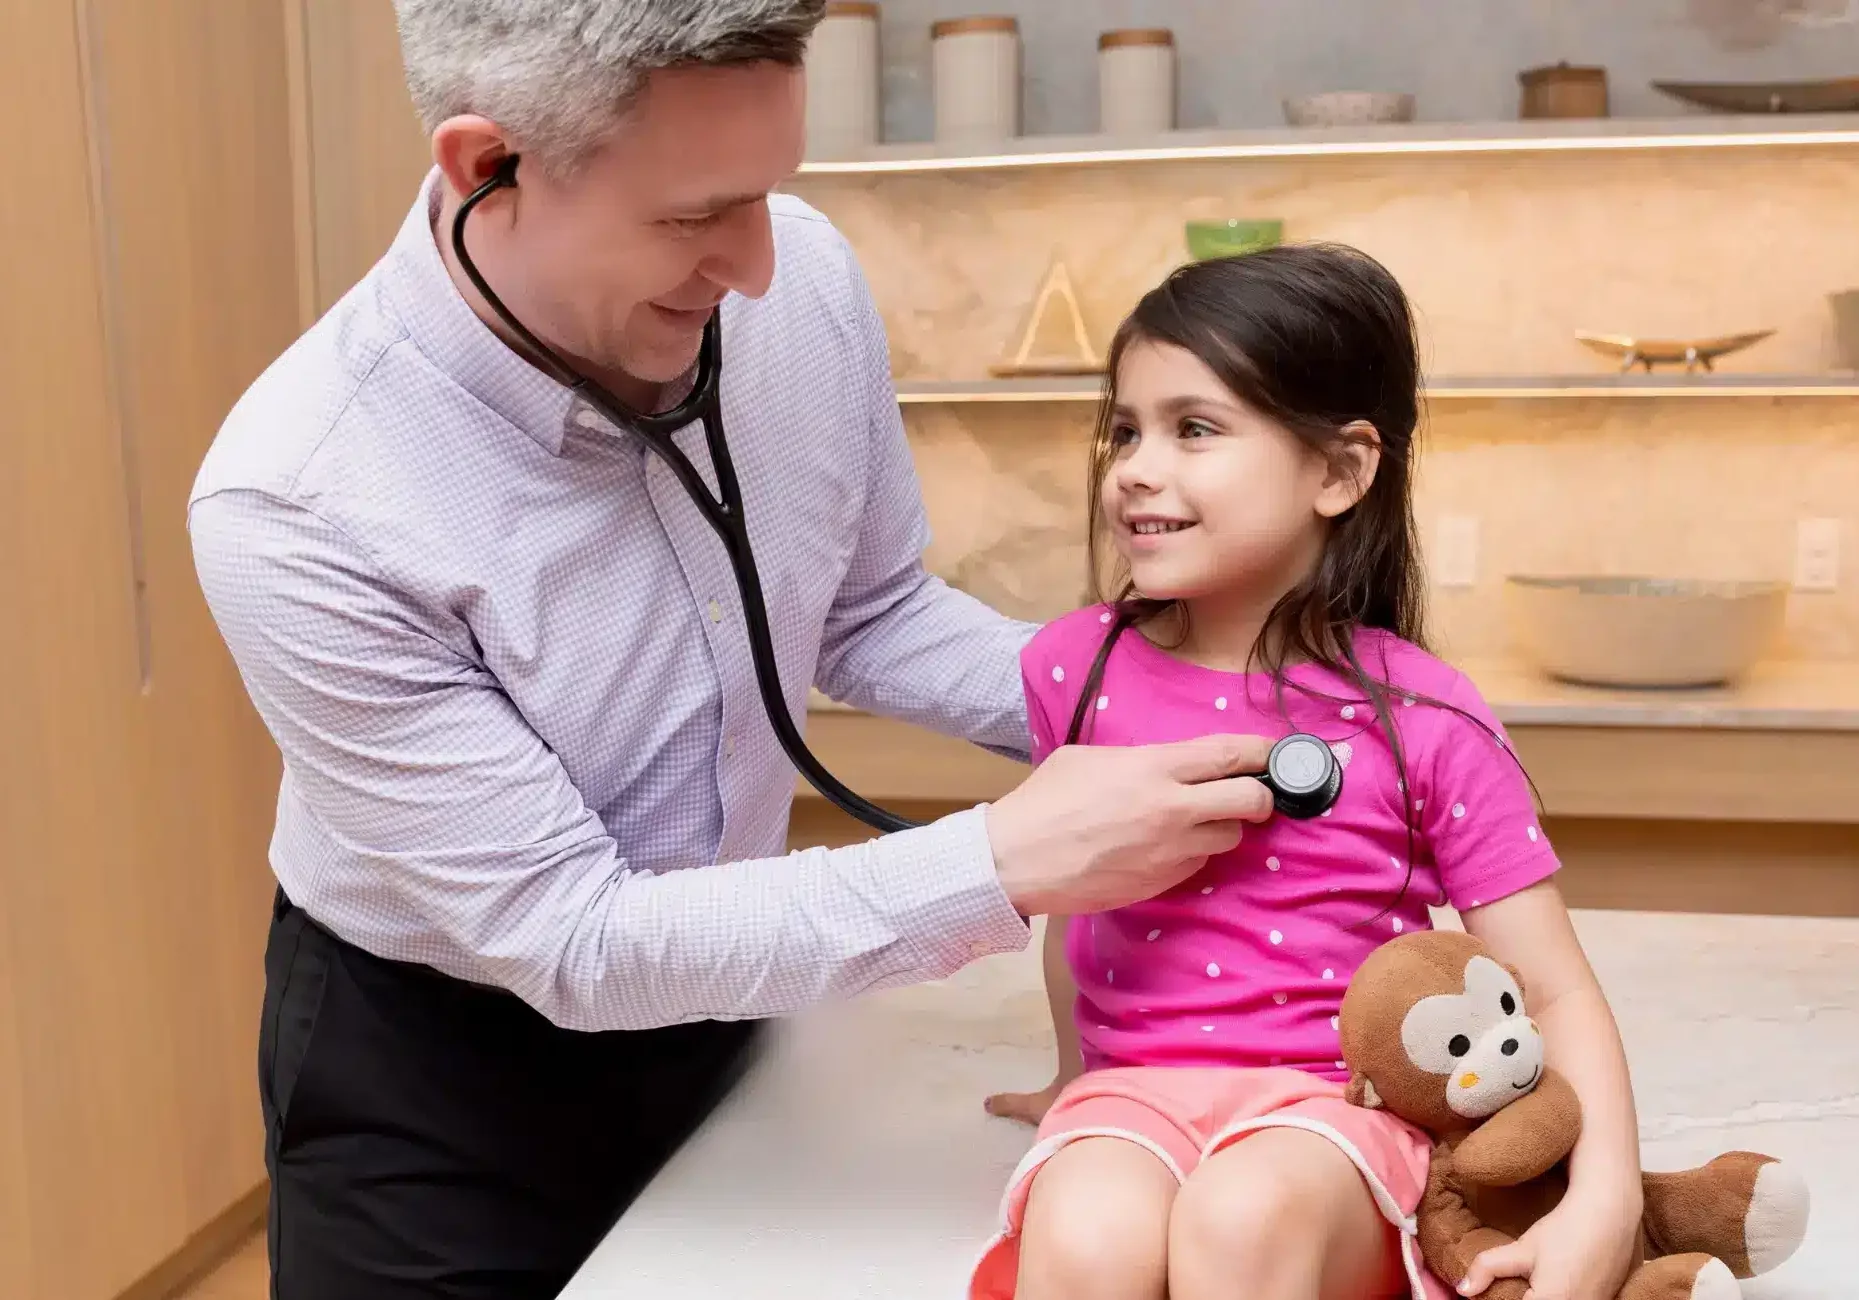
(429, 1137)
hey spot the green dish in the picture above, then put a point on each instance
(1232, 238)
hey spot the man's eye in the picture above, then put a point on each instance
(692, 225)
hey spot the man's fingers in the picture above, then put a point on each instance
(1234, 799)
(1512, 1260)
(1208, 758)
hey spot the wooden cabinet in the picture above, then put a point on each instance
(147, 275)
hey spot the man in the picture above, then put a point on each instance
(529, 838)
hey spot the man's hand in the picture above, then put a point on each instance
(1581, 1250)
(1098, 827)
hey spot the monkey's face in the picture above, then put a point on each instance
(1434, 1031)
(1479, 1039)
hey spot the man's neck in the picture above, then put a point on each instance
(639, 394)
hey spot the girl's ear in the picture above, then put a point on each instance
(1351, 470)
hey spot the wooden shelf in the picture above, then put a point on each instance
(1088, 388)
(1751, 131)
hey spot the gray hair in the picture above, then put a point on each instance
(558, 74)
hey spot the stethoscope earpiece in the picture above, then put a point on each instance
(1304, 776)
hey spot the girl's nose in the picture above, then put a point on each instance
(1142, 466)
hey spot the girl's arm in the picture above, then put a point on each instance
(1061, 994)
(1582, 1250)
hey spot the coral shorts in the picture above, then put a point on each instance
(1183, 1116)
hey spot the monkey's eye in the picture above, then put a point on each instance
(1509, 1004)
(1459, 1045)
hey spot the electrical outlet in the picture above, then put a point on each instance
(1455, 564)
(1817, 555)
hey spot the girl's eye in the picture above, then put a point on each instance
(1197, 429)
(1122, 435)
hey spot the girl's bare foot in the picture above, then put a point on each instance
(1027, 1107)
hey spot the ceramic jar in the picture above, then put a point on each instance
(975, 68)
(1136, 81)
(844, 107)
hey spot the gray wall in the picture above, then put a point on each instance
(1460, 57)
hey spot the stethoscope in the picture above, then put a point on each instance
(1303, 774)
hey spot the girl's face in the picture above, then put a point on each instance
(1205, 497)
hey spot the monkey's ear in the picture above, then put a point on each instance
(1361, 1092)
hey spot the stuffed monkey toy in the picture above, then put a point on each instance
(1434, 1031)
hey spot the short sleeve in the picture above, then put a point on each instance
(1036, 682)
(1477, 812)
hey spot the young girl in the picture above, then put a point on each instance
(1252, 475)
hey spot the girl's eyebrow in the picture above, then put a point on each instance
(1180, 405)
(1189, 402)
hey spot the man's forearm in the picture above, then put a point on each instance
(936, 657)
(770, 937)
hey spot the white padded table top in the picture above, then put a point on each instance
(856, 1162)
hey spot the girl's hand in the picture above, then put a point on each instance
(1581, 1250)
(1027, 1107)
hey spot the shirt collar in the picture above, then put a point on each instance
(444, 328)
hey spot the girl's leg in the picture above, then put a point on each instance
(1096, 1225)
(1280, 1215)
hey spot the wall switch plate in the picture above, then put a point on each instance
(1455, 562)
(1817, 555)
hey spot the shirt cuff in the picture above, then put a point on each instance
(954, 909)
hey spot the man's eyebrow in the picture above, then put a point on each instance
(719, 203)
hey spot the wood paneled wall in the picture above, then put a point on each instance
(148, 259)
(362, 150)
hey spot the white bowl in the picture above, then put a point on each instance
(1349, 108)
(1643, 632)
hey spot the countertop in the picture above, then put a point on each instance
(856, 1162)
(1802, 695)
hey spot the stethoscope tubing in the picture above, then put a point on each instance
(723, 512)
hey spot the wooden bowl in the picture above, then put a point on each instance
(1835, 95)
(1692, 354)
(1647, 633)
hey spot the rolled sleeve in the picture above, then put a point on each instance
(404, 751)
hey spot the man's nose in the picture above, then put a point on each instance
(743, 257)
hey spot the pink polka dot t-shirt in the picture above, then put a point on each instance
(1245, 963)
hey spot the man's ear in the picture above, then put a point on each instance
(1352, 469)
(1361, 1092)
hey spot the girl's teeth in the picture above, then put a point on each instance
(1170, 527)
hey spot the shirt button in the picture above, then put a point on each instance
(716, 612)
(586, 418)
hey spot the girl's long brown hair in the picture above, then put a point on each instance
(1317, 338)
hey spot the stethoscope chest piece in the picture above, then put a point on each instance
(1304, 776)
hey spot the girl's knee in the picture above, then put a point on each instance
(1097, 1224)
(1289, 1215)
(1244, 1218)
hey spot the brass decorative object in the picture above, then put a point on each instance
(1693, 354)
(1034, 355)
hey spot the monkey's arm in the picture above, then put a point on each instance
(1524, 1140)
(1452, 1236)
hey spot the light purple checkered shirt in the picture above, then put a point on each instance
(505, 662)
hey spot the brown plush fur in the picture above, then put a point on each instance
(1434, 1030)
